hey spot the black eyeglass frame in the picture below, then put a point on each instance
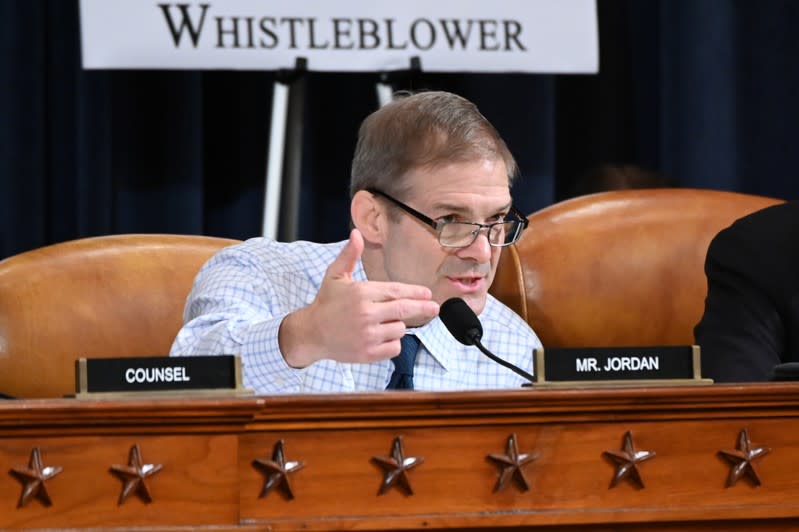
(438, 226)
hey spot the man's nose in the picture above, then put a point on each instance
(480, 249)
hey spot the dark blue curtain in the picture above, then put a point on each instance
(700, 91)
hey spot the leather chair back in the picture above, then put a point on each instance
(619, 268)
(109, 296)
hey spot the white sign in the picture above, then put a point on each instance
(343, 35)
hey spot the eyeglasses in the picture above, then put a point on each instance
(462, 234)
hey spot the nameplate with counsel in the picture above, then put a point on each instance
(135, 376)
(619, 366)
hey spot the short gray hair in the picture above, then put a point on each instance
(426, 129)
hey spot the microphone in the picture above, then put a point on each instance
(462, 323)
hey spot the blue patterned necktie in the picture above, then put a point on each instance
(402, 378)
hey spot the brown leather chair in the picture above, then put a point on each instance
(109, 296)
(620, 268)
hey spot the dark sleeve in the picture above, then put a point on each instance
(741, 333)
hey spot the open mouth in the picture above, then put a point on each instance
(468, 283)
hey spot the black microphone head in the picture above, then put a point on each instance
(461, 321)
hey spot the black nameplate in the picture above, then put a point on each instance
(149, 374)
(619, 363)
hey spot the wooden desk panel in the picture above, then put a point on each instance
(207, 448)
(569, 482)
(196, 486)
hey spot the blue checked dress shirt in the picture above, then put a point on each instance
(242, 293)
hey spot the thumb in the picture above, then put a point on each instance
(347, 259)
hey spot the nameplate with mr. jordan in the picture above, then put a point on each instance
(137, 375)
(619, 365)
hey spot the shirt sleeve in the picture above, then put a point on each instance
(236, 308)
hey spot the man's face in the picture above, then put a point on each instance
(465, 192)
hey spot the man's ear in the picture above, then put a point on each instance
(369, 216)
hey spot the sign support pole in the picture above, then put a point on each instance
(390, 78)
(287, 115)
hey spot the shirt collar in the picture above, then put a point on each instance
(359, 274)
(438, 341)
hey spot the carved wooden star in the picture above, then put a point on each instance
(626, 461)
(396, 467)
(511, 463)
(277, 471)
(33, 479)
(133, 476)
(742, 457)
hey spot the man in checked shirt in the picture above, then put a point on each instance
(431, 211)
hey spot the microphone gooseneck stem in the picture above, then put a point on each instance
(495, 358)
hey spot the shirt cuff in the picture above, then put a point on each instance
(263, 367)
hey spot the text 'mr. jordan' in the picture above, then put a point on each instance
(620, 363)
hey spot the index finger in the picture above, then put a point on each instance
(405, 310)
(379, 291)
